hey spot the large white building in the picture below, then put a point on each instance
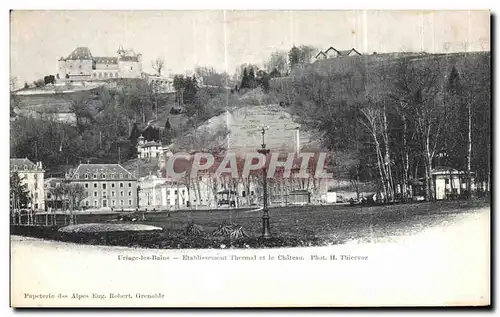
(106, 186)
(32, 175)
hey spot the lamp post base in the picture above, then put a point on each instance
(266, 231)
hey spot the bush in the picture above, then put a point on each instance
(192, 229)
(230, 230)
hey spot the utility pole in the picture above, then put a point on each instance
(266, 231)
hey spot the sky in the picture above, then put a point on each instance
(227, 39)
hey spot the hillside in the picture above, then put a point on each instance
(371, 64)
(238, 126)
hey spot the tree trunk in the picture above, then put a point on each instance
(429, 188)
(387, 156)
(406, 163)
(380, 167)
(469, 148)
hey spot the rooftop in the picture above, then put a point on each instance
(101, 171)
(23, 164)
(80, 53)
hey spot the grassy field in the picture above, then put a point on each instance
(335, 224)
(290, 226)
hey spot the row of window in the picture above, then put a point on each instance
(105, 75)
(105, 203)
(25, 167)
(113, 193)
(243, 193)
(102, 176)
(104, 186)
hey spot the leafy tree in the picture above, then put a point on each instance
(58, 193)
(26, 86)
(277, 61)
(263, 79)
(245, 80)
(50, 79)
(134, 134)
(190, 89)
(167, 134)
(14, 103)
(209, 76)
(39, 83)
(275, 73)
(179, 84)
(306, 53)
(300, 55)
(251, 79)
(294, 56)
(19, 193)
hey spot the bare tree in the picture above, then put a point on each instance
(278, 61)
(158, 65)
(419, 86)
(75, 194)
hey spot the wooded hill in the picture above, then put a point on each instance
(397, 117)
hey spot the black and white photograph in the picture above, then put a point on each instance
(250, 158)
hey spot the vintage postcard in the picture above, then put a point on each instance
(231, 158)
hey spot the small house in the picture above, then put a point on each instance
(299, 197)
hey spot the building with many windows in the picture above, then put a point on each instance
(32, 175)
(106, 186)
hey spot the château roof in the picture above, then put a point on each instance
(80, 53)
(83, 53)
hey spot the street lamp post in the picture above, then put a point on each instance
(266, 231)
(138, 190)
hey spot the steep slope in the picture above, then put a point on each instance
(244, 125)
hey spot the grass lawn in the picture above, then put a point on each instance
(294, 226)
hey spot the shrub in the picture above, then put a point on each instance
(192, 229)
(230, 230)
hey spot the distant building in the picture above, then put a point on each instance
(332, 52)
(81, 65)
(32, 175)
(161, 84)
(450, 182)
(106, 186)
(321, 55)
(148, 149)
